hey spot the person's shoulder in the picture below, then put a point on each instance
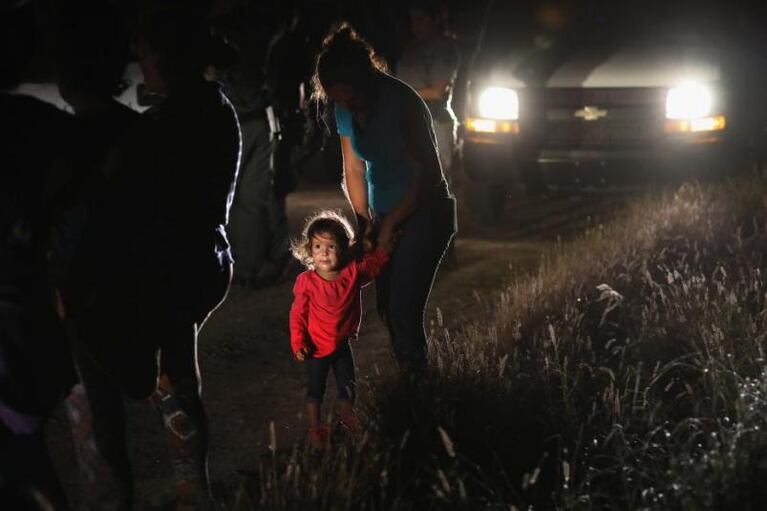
(10, 102)
(445, 44)
(395, 86)
(340, 111)
(303, 279)
(400, 90)
(219, 100)
(23, 110)
(343, 120)
(30, 120)
(407, 98)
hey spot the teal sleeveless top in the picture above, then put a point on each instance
(381, 145)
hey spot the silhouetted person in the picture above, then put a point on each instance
(393, 180)
(92, 52)
(36, 179)
(35, 363)
(188, 261)
(429, 64)
(174, 189)
(288, 72)
(253, 226)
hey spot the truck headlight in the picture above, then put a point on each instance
(688, 101)
(500, 103)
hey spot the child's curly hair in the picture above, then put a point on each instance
(322, 222)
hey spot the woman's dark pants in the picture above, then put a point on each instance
(403, 288)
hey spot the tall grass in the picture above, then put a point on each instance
(627, 373)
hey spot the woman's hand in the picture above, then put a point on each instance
(367, 237)
(387, 237)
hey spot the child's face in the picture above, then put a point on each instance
(326, 252)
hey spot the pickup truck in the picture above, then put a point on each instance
(563, 99)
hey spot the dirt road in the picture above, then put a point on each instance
(249, 377)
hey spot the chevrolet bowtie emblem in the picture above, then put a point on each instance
(590, 113)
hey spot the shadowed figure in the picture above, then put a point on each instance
(89, 76)
(429, 64)
(161, 231)
(38, 179)
(251, 218)
(393, 180)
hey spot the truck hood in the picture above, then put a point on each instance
(635, 65)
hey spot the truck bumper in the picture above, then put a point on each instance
(508, 162)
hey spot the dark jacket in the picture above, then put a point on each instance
(169, 208)
(38, 180)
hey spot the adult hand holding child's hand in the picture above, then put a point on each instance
(387, 238)
(368, 237)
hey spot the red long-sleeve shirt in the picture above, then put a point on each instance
(327, 312)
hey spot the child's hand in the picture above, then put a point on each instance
(301, 354)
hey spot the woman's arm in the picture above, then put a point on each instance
(355, 185)
(422, 154)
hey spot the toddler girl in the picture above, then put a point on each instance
(326, 312)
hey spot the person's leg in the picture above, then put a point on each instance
(213, 294)
(33, 353)
(28, 480)
(313, 413)
(413, 268)
(346, 382)
(277, 250)
(97, 420)
(178, 398)
(280, 251)
(192, 293)
(317, 377)
(249, 216)
(383, 294)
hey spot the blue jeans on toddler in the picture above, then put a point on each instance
(342, 363)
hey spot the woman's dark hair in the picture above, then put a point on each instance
(323, 222)
(345, 57)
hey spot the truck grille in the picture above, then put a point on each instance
(602, 132)
(621, 97)
(627, 117)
